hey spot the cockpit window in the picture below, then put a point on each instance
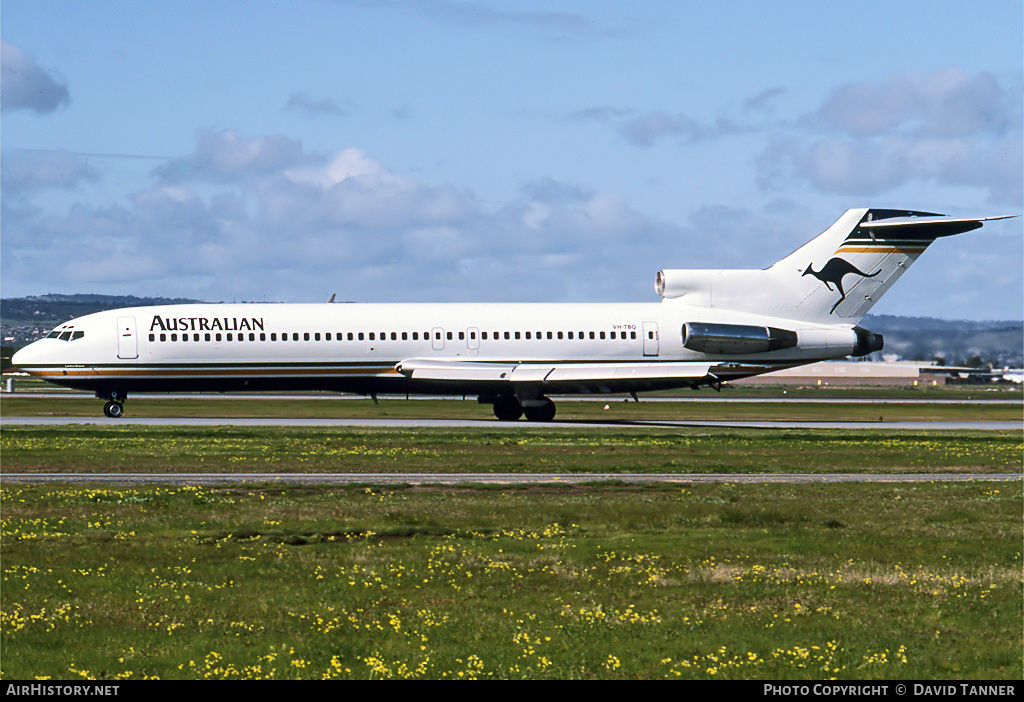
(65, 335)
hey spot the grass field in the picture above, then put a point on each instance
(698, 582)
(225, 449)
(607, 581)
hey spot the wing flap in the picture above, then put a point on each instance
(470, 371)
(547, 373)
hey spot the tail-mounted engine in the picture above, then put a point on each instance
(735, 338)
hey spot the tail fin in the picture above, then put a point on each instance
(833, 279)
(847, 269)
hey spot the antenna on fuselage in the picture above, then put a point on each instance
(332, 298)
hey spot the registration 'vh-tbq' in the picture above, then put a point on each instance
(710, 327)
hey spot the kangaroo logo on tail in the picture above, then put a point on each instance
(833, 272)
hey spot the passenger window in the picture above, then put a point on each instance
(152, 337)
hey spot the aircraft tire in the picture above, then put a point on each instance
(544, 413)
(114, 410)
(508, 409)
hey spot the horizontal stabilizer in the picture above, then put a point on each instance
(931, 227)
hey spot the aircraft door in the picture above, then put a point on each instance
(650, 338)
(127, 339)
(437, 338)
(473, 341)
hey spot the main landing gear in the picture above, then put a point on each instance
(508, 408)
(115, 403)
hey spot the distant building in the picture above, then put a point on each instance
(854, 373)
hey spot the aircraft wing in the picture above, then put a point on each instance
(601, 376)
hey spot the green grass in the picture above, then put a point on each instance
(852, 581)
(225, 449)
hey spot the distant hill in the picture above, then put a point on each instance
(60, 308)
(25, 319)
(955, 341)
(1001, 343)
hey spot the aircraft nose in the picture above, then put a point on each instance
(26, 356)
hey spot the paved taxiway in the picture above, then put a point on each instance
(495, 424)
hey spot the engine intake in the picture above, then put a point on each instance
(735, 338)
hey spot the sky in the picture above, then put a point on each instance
(414, 151)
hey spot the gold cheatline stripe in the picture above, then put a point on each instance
(157, 372)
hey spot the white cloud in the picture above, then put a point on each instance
(25, 171)
(228, 156)
(871, 138)
(264, 220)
(241, 215)
(314, 108)
(26, 85)
(945, 103)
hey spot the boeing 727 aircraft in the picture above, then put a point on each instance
(711, 326)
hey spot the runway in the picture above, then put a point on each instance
(388, 423)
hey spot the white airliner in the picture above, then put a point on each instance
(710, 327)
